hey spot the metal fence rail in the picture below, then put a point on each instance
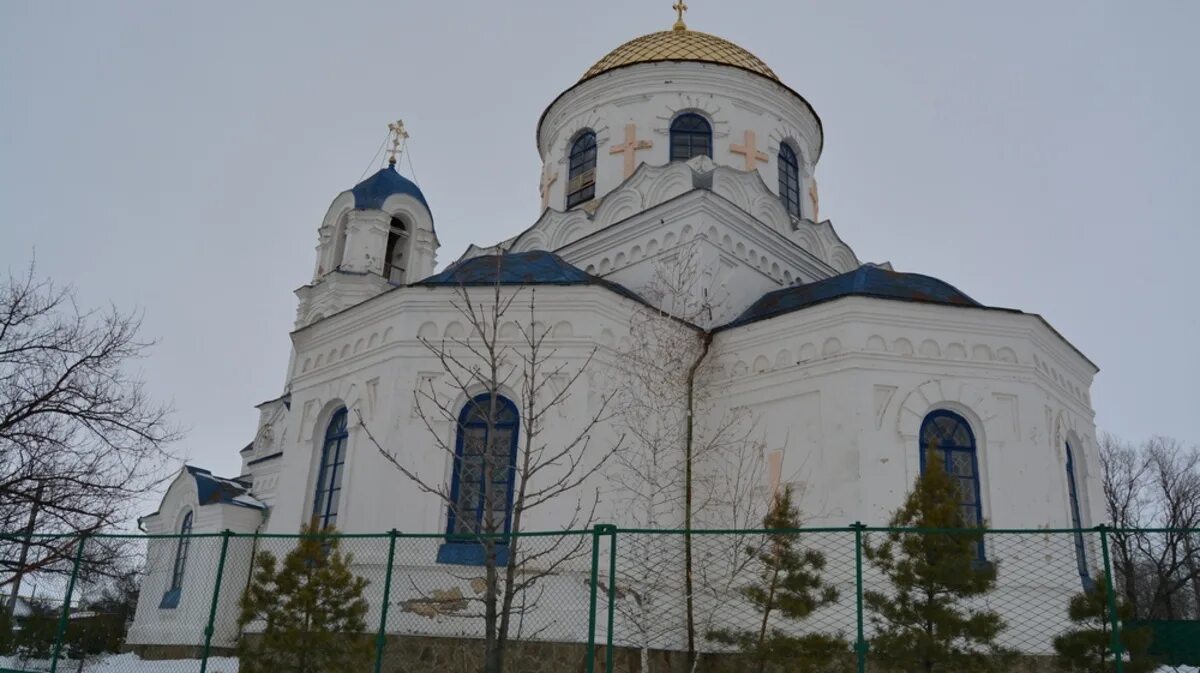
(606, 599)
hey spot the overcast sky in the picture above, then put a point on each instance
(177, 159)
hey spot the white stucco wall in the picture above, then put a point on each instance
(650, 95)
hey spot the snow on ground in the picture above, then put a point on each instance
(130, 663)
(124, 663)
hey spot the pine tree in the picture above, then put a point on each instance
(311, 610)
(924, 623)
(1087, 649)
(789, 587)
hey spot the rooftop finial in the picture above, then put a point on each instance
(399, 135)
(680, 7)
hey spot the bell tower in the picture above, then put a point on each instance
(376, 235)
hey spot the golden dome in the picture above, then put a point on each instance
(680, 45)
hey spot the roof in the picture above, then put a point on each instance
(865, 281)
(536, 267)
(680, 45)
(372, 192)
(213, 490)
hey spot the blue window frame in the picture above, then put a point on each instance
(484, 457)
(949, 433)
(170, 599)
(581, 174)
(691, 136)
(789, 179)
(329, 476)
(1077, 522)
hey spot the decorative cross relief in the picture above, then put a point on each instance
(549, 175)
(749, 150)
(774, 472)
(630, 147)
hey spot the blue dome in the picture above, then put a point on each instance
(865, 281)
(372, 192)
(535, 267)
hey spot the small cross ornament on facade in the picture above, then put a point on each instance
(749, 150)
(398, 136)
(630, 147)
(774, 473)
(549, 175)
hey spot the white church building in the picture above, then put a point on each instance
(677, 143)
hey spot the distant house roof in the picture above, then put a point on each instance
(372, 192)
(213, 490)
(865, 281)
(536, 267)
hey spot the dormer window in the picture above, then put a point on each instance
(581, 185)
(396, 255)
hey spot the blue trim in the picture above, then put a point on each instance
(170, 600)
(372, 192)
(1076, 522)
(211, 490)
(865, 281)
(469, 554)
(789, 179)
(689, 133)
(264, 459)
(473, 417)
(329, 482)
(949, 446)
(581, 160)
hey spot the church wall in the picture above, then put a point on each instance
(649, 95)
(377, 362)
(732, 255)
(849, 366)
(183, 624)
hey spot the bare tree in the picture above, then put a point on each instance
(549, 470)
(689, 463)
(1155, 486)
(80, 439)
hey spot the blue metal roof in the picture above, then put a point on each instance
(536, 267)
(372, 192)
(212, 490)
(865, 281)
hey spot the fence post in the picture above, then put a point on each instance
(860, 645)
(612, 596)
(591, 653)
(387, 597)
(212, 608)
(66, 611)
(1115, 620)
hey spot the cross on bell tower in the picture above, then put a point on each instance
(398, 136)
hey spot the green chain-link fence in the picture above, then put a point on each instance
(608, 599)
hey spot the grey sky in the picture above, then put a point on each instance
(178, 159)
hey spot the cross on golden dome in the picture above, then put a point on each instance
(680, 7)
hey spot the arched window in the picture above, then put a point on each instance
(395, 257)
(329, 476)
(691, 136)
(581, 184)
(171, 598)
(1077, 521)
(484, 456)
(339, 245)
(789, 179)
(948, 433)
